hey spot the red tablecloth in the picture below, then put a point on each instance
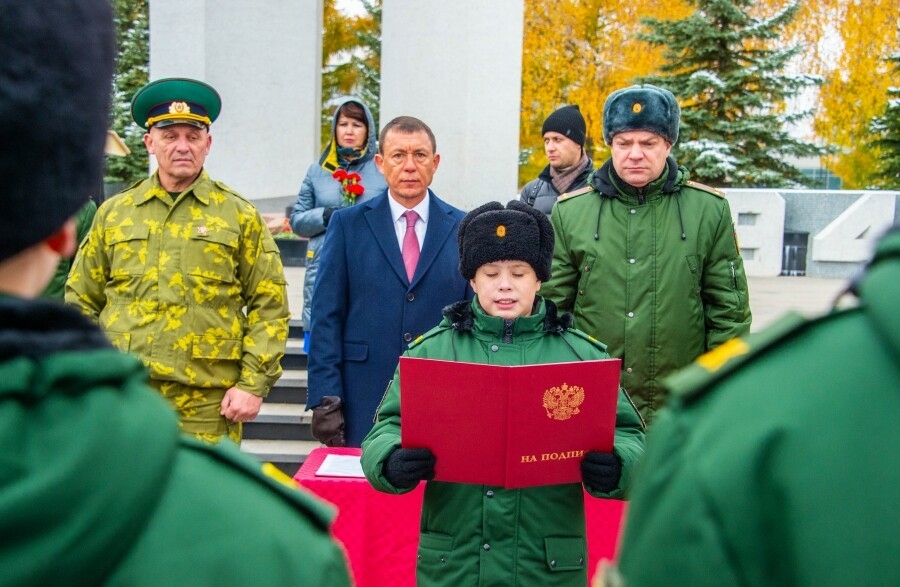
(380, 532)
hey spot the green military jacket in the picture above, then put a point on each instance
(192, 284)
(655, 274)
(777, 463)
(99, 487)
(536, 535)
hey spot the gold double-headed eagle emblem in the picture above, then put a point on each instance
(561, 403)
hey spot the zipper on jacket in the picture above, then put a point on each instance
(508, 330)
(733, 276)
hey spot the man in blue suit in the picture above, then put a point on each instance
(384, 277)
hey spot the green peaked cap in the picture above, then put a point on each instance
(176, 100)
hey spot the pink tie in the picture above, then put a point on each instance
(410, 244)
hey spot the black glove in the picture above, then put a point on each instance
(326, 215)
(601, 470)
(405, 467)
(328, 422)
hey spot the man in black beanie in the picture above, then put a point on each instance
(569, 166)
(98, 486)
(646, 259)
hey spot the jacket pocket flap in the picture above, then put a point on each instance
(122, 234)
(565, 553)
(355, 351)
(208, 347)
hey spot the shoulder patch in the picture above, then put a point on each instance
(430, 334)
(694, 380)
(578, 192)
(705, 188)
(588, 337)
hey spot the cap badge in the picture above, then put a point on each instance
(637, 107)
(561, 403)
(179, 108)
(501, 230)
(202, 230)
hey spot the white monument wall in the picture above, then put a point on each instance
(265, 60)
(458, 67)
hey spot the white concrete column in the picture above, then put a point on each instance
(458, 67)
(265, 60)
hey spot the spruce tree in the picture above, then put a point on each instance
(723, 67)
(886, 137)
(132, 68)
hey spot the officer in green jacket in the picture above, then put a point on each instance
(645, 259)
(478, 535)
(98, 486)
(182, 271)
(777, 463)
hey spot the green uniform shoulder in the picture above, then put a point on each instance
(584, 335)
(442, 327)
(579, 192)
(133, 186)
(227, 189)
(266, 475)
(693, 381)
(705, 188)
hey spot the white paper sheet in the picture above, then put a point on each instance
(340, 466)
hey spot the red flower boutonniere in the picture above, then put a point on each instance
(350, 186)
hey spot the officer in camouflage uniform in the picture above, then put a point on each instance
(777, 463)
(182, 271)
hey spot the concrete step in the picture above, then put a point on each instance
(295, 328)
(290, 388)
(294, 357)
(280, 421)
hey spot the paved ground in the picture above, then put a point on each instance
(770, 297)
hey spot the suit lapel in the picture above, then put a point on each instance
(380, 223)
(440, 225)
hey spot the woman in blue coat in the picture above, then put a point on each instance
(345, 175)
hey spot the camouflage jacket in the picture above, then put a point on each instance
(192, 284)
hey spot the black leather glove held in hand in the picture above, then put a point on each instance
(405, 467)
(601, 470)
(326, 215)
(328, 422)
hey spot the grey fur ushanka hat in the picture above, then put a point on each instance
(645, 107)
(516, 233)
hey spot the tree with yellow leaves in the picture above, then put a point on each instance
(351, 59)
(577, 51)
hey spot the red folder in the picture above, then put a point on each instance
(510, 426)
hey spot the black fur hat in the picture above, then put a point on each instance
(58, 58)
(516, 233)
(643, 107)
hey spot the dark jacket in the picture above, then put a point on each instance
(541, 194)
(99, 487)
(654, 273)
(369, 311)
(536, 536)
(777, 463)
